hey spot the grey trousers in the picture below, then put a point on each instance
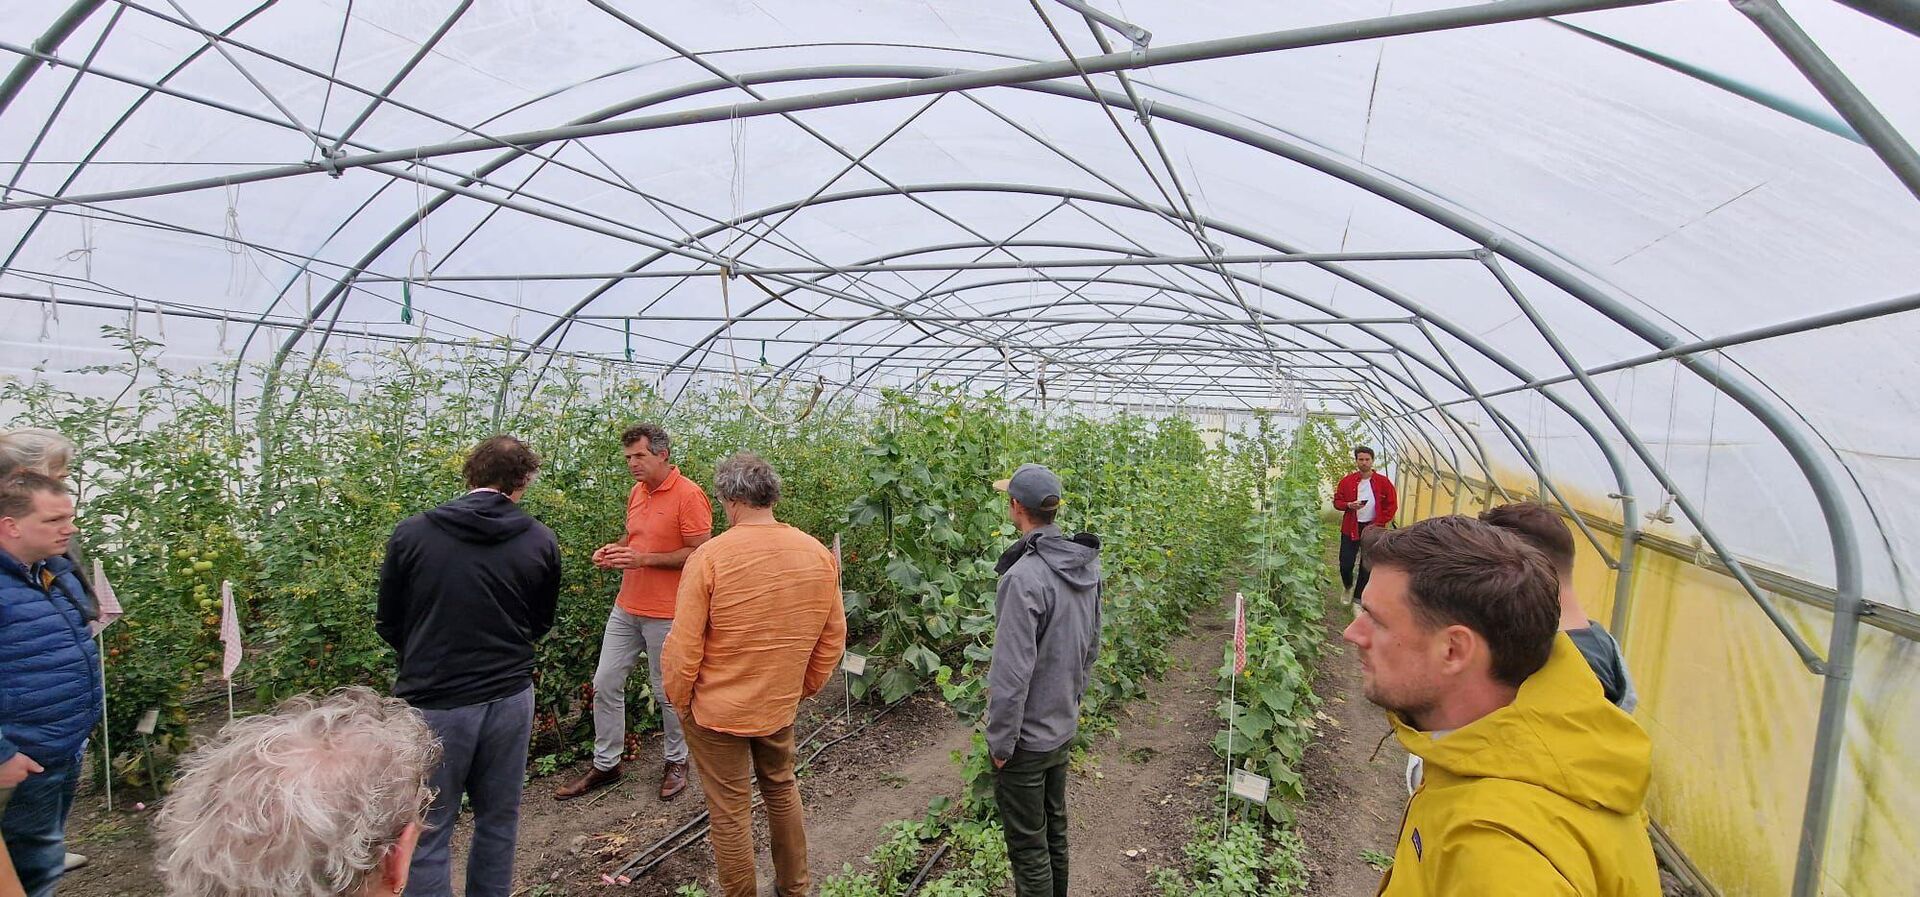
(485, 759)
(626, 639)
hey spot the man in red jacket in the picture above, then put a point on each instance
(1365, 498)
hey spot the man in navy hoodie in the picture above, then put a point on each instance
(466, 590)
(50, 692)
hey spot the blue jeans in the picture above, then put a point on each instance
(35, 824)
(485, 759)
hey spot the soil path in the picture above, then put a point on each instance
(1356, 784)
(1133, 804)
(888, 771)
(1139, 790)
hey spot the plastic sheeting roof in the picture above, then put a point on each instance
(1669, 159)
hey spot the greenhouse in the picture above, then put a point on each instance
(274, 268)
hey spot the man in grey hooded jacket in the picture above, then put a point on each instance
(1045, 641)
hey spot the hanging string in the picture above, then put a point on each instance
(234, 243)
(422, 259)
(513, 325)
(223, 331)
(49, 314)
(1706, 478)
(422, 255)
(84, 254)
(733, 358)
(1664, 513)
(627, 325)
(1546, 446)
(737, 188)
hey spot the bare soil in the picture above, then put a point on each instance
(1132, 805)
(888, 771)
(1132, 799)
(1355, 775)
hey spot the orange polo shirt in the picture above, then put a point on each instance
(659, 521)
(758, 627)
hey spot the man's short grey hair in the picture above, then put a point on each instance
(302, 802)
(749, 479)
(35, 449)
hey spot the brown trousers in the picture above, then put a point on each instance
(728, 766)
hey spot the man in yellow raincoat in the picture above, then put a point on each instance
(1532, 782)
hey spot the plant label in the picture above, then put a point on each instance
(853, 664)
(148, 721)
(1250, 787)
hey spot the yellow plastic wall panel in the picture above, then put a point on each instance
(1732, 713)
(1875, 848)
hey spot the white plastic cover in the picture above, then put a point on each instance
(1705, 212)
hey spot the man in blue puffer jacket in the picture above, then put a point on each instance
(50, 691)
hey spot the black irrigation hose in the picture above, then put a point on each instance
(927, 869)
(621, 875)
(856, 730)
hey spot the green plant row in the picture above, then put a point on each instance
(1249, 860)
(185, 483)
(1175, 515)
(975, 861)
(1271, 702)
(181, 488)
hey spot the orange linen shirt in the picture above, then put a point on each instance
(661, 521)
(758, 627)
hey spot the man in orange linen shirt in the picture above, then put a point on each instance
(759, 626)
(667, 518)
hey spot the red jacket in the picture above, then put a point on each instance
(1385, 501)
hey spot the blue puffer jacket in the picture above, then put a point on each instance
(50, 692)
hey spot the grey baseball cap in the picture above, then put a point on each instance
(1033, 486)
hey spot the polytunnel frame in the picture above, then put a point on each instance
(1778, 27)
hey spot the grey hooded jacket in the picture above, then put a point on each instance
(1045, 641)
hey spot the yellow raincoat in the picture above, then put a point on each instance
(1541, 798)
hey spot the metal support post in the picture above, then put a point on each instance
(1880, 134)
(1134, 34)
(1312, 36)
(1739, 572)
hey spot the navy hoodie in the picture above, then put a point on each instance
(466, 590)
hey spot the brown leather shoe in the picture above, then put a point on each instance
(673, 780)
(594, 779)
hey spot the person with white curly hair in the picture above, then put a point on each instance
(324, 797)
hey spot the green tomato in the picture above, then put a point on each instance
(202, 566)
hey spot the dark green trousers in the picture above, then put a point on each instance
(1032, 792)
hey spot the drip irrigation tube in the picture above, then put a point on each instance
(696, 828)
(927, 869)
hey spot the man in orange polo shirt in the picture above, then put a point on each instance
(668, 516)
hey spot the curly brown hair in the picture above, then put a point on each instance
(501, 462)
